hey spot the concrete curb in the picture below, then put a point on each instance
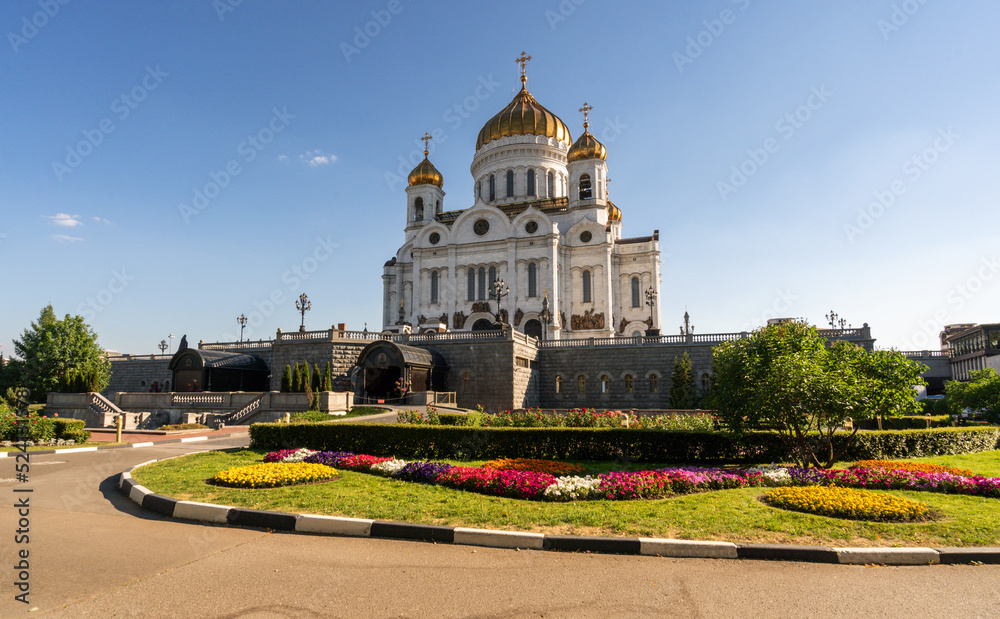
(674, 548)
(77, 450)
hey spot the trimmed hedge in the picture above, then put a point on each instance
(457, 442)
(918, 422)
(68, 429)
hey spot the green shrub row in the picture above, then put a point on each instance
(628, 445)
(907, 423)
(70, 429)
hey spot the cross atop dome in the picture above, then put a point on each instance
(586, 110)
(523, 61)
(427, 138)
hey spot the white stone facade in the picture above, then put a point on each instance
(532, 225)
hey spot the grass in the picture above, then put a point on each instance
(729, 515)
(183, 426)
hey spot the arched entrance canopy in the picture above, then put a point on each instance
(195, 369)
(383, 363)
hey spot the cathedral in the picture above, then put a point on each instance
(540, 248)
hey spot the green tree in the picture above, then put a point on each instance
(52, 348)
(682, 392)
(286, 379)
(786, 379)
(327, 378)
(317, 384)
(296, 379)
(304, 386)
(981, 392)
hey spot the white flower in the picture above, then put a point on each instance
(777, 475)
(572, 488)
(299, 455)
(389, 467)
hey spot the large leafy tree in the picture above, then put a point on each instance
(53, 349)
(786, 379)
(982, 392)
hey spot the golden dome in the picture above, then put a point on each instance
(524, 116)
(614, 213)
(425, 174)
(587, 147)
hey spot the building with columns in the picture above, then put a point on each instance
(540, 222)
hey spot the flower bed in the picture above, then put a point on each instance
(538, 466)
(273, 474)
(590, 418)
(917, 467)
(845, 503)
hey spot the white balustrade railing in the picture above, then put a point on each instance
(198, 398)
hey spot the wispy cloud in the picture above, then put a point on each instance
(317, 158)
(101, 219)
(63, 238)
(282, 157)
(64, 220)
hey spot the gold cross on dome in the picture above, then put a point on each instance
(427, 138)
(523, 61)
(586, 113)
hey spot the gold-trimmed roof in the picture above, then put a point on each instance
(587, 147)
(524, 116)
(614, 213)
(425, 174)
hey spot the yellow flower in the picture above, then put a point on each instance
(273, 474)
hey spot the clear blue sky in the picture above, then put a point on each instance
(112, 115)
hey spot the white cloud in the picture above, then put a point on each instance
(282, 157)
(62, 219)
(101, 219)
(317, 158)
(62, 238)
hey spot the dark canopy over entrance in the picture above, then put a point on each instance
(383, 364)
(214, 370)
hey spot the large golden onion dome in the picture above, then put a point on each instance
(614, 213)
(524, 116)
(425, 174)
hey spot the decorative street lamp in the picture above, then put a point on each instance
(163, 346)
(498, 291)
(651, 302)
(688, 328)
(545, 315)
(242, 319)
(303, 305)
(835, 320)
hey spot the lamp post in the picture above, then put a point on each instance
(171, 347)
(242, 319)
(499, 290)
(651, 302)
(303, 305)
(835, 320)
(162, 346)
(545, 315)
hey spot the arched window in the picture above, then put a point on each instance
(418, 209)
(532, 280)
(434, 287)
(552, 185)
(510, 183)
(586, 287)
(482, 283)
(471, 296)
(531, 182)
(654, 383)
(493, 278)
(437, 207)
(558, 384)
(635, 293)
(605, 383)
(629, 384)
(586, 191)
(479, 189)
(493, 187)
(581, 384)
(466, 383)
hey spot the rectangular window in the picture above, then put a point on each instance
(472, 285)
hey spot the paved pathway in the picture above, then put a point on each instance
(95, 554)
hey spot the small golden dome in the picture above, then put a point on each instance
(614, 213)
(524, 116)
(587, 147)
(425, 174)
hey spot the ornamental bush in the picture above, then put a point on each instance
(528, 464)
(918, 467)
(845, 503)
(273, 474)
(41, 428)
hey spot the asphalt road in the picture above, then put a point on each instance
(94, 553)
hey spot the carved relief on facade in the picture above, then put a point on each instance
(518, 316)
(422, 320)
(562, 319)
(503, 315)
(622, 325)
(443, 319)
(458, 320)
(589, 320)
(481, 306)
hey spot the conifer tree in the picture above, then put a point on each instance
(682, 391)
(286, 379)
(296, 379)
(305, 377)
(327, 379)
(317, 384)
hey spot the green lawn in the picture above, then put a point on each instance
(730, 515)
